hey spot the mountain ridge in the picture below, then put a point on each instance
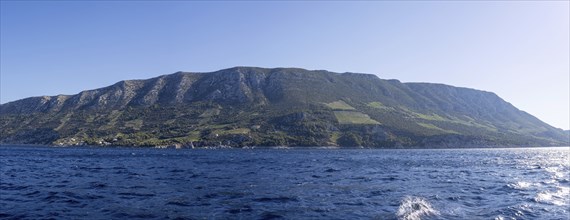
(246, 106)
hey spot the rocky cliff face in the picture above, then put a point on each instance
(231, 86)
(283, 106)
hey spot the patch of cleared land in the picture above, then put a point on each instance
(378, 105)
(436, 117)
(232, 131)
(135, 124)
(339, 105)
(352, 117)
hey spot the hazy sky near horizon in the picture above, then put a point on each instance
(518, 50)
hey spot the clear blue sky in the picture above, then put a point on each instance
(519, 50)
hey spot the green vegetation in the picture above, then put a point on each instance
(274, 107)
(430, 117)
(378, 105)
(433, 127)
(351, 117)
(232, 131)
(210, 113)
(134, 124)
(339, 105)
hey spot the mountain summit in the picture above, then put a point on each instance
(250, 106)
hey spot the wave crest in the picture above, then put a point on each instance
(559, 197)
(413, 208)
(521, 185)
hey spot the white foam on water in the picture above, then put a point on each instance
(559, 197)
(413, 208)
(500, 217)
(520, 185)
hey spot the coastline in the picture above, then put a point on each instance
(2, 145)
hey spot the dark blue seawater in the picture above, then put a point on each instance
(124, 183)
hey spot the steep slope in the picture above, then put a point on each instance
(247, 106)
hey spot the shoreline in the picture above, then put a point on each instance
(273, 147)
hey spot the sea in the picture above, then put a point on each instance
(40, 182)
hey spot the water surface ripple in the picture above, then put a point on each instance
(119, 183)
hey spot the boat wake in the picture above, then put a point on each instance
(414, 208)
